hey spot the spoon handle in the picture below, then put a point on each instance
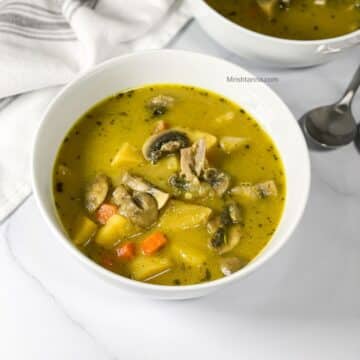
(351, 90)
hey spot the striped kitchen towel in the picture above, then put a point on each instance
(43, 44)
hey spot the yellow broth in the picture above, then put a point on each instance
(300, 20)
(89, 148)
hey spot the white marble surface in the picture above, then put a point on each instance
(304, 304)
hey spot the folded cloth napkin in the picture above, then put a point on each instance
(43, 44)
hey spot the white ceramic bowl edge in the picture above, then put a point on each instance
(170, 66)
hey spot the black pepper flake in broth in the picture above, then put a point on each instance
(59, 186)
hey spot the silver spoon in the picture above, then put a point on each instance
(333, 125)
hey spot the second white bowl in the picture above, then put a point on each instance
(270, 50)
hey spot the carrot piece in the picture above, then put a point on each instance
(105, 212)
(153, 243)
(107, 261)
(126, 251)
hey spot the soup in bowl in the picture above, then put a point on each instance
(169, 184)
(174, 183)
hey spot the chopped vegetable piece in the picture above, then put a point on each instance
(171, 163)
(188, 253)
(105, 212)
(153, 243)
(117, 228)
(245, 192)
(126, 251)
(250, 192)
(83, 230)
(127, 155)
(147, 267)
(107, 261)
(180, 215)
(230, 144)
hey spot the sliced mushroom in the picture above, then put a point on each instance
(166, 142)
(178, 182)
(187, 164)
(195, 176)
(140, 208)
(218, 180)
(148, 213)
(266, 189)
(96, 192)
(218, 240)
(192, 164)
(193, 159)
(120, 195)
(224, 240)
(213, 225)
(160, 104)
(137, 183)
(230, 215)
(229, 265)
(225, 219)
(235, 213)
(233, 238)
(200, 161)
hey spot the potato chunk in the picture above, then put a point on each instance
(230, 144)
(250, 192)
(117, 228)
(172, 163)
(180, 215)
(188, 254)
(245, 191)
(166, 167)
(146, 267)
(83, 230)
(127, 155)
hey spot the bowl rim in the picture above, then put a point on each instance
(117, 278)
(278, 39)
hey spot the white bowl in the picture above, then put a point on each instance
(267, 49)
(169, 66)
